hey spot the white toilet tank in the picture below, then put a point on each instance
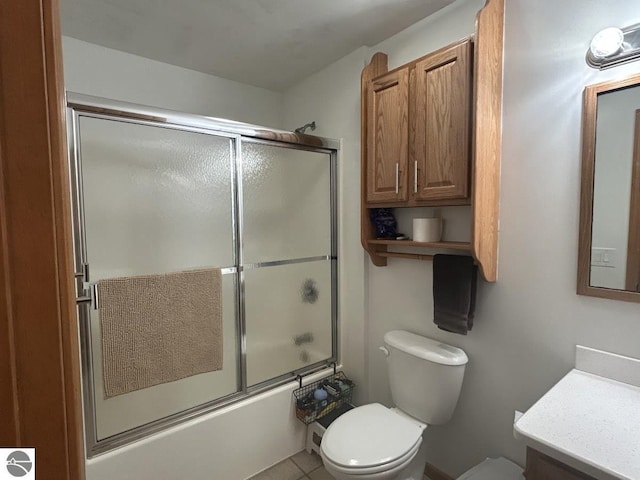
(425, 375)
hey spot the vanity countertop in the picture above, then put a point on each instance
(589, 422)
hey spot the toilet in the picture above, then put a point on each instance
(373, 442)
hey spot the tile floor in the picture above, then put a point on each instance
(301, 466)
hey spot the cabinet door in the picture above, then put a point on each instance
(441, 132)
(542, 467)
(388, 137)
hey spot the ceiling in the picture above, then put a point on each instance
(266, 43)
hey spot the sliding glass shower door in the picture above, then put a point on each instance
(287, 253)
(156, 193)
(156, 200)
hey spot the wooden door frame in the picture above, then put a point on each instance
(39, 355)
(632, 281)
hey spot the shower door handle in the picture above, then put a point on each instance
(397, 178)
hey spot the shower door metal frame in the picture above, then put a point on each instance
(333, 257)
(82, 105)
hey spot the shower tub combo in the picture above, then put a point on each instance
(156, 192)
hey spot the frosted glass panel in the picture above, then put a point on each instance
(288, 318)
(155, 199)
(287, 203)
(120, 413)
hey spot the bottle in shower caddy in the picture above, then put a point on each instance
(321, 395)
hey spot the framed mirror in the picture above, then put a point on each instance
(609, 246)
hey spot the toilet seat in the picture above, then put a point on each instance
(370, 439)
(387, 468)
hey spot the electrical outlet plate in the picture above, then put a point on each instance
(603, 257)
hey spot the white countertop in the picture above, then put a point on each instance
(589, 422)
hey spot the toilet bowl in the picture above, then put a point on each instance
(373, 442)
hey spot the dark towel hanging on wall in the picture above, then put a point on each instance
(454, 292)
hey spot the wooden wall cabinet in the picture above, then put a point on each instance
(418, 130)
(431, 136)
(542, 467)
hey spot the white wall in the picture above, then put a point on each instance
(528, 323)
(331, 97)
(104, 72)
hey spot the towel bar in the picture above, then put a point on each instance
(92, 287)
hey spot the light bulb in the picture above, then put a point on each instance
(606, 42)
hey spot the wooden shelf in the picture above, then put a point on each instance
(412, 256)
(466, 246)
(381, 250)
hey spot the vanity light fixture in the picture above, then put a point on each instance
(614, 46)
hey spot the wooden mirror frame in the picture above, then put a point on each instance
(589, 117)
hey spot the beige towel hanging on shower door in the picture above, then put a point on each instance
(159, 328)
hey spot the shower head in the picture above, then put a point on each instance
(304, 128)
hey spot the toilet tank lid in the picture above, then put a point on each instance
(425, 348)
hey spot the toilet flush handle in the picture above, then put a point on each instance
(385, 351)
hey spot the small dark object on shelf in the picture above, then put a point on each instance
(339, 391)
(385, 222)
